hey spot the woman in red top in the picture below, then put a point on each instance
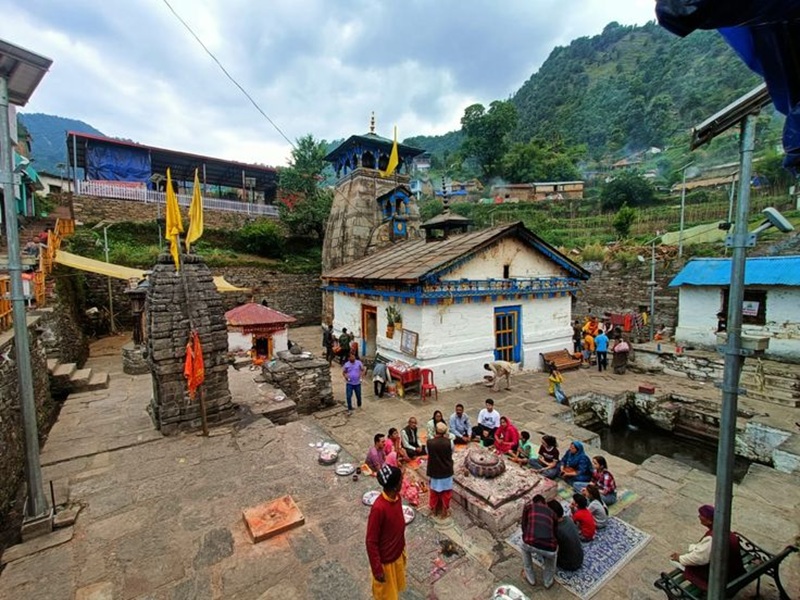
(583, 518)
(386, 542)
(506, 437)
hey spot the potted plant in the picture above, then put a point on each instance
(392, 315)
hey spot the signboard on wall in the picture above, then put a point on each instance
(750, 308)
(408, 342)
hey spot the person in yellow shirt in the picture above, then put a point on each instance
(588, 347)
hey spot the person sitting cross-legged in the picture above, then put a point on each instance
(410, 440)
(376, 457)
(583, 518)
(575, 464)
(488, 422)
(459, 426)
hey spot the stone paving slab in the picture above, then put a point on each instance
(162, 518)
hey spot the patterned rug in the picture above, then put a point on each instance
(612, 548)
(624, 499)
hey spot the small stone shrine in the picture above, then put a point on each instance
(169, 298)
(303, 377)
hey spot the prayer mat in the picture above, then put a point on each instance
(612, 548)
(624, 499)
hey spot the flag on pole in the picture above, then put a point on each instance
(394, 158)
(174, 223)
(193, 368)
(195, 214)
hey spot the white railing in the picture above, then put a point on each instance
(141, 194)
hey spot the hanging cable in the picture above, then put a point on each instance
(228, 75)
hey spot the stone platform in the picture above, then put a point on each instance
(495, 503)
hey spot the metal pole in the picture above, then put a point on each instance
(683, 211)
(36, 506)
(110, 295)
(734, 359)
(730, 206)
(652, 284)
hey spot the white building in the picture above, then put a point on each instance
(465, 300)
(258, 330)
(771, 305)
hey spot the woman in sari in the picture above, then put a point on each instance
(506, 437)
(430, 427)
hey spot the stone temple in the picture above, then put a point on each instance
(370, 210)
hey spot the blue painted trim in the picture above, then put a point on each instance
(503, 289)
(506, 310)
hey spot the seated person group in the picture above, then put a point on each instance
(594, 486)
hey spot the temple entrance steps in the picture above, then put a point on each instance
(67, 378)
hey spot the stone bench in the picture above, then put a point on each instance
(757, 562)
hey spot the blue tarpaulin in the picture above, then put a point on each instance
(117, 163)
(765, 34)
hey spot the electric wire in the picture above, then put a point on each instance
(227, 74)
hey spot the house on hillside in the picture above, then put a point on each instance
(464, 299)
(535, 192)
(770, 307)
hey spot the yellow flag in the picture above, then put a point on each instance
(195, 215)
(174, 223)
(394, 158)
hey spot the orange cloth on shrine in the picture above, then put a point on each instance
(193, 369)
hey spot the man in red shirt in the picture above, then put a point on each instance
(583, 518)
(539, 525)
(386, 541)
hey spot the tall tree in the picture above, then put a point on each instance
(304, 203)
(627, 188)
(488, 134)
(541, 160)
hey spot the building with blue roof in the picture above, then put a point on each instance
(771, 306)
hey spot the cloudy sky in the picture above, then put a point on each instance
(130, 68)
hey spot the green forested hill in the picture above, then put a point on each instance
(629, 88)
(49, 135)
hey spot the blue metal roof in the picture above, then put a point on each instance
(766, 270)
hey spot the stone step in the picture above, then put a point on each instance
(98, 381)
(80, 379)
(52, 364)
(63, 372)
(773, 396)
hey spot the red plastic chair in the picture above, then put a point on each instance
(426, 384)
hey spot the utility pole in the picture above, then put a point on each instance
(108, 277)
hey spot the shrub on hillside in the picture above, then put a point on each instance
(593, 253)
(262, 238)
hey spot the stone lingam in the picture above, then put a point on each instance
(176, 302)
(492, 490)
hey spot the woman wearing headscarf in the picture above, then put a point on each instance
(386, 542)
(576, 466)
(506, 438)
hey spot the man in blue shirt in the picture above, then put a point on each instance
(601, 347)
(460, 426)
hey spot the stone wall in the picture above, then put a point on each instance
(61, 335)
(12, 441)
(304, 378)
(89, 209)
(295, 294)
(617, 288)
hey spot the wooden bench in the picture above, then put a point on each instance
(757, 562)
(562, 359)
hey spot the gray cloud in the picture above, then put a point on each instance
(131, 70)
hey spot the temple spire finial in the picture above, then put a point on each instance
(372, 123)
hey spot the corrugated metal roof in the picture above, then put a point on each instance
(764, 270)
(411, 260)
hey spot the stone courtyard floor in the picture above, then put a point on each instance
(161, 518)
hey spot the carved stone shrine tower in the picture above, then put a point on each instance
(171, 298)
(369, 210)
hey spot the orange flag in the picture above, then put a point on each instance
(193, 369)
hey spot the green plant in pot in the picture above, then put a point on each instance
(393, 320)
